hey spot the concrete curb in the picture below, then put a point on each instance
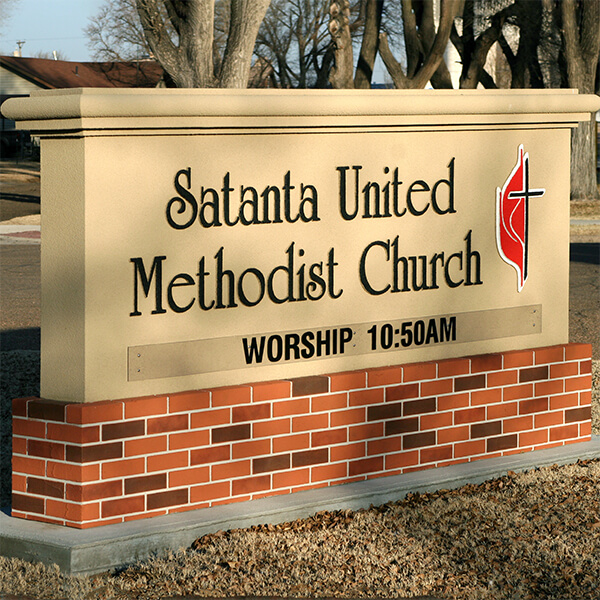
(99, 549)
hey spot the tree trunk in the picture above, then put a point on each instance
(339, 28)
(582, 46)
(369, 46)
(246, 17)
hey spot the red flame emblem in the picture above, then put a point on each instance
(512, 217)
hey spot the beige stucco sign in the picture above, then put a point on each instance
(198, 238)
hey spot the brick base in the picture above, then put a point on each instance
(84, 465)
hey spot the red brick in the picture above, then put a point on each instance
(250, 485)
(148, 445)
(469, 415)
(548, 419)
(46, 449)
(502, 378)
(210, 418)
(585, 429)
(44, 487)
(189, 476)
(585, 398)
(453, 401)
(564, 401)
(585, 367)
(73, 433)
(19, 406)
(352, 380)
(518, 358)
(98, 412)
(430, 455)
(308, 386)
(77, 513)
(19, 445)
(578, 414)
(46, 410)
(229, 470)
(578, 351)
(574, 384)
(419, 407)
(486, 362)
(310, 422)
(145, 407)
(402, 392)
(170, 498)
(486, 397)
(453, 434)
(469, 448)
(533, 405)
(189, 439)
(418, 440)
(329, 402)
(271, 428)
(123, 468)
(248, 449)
(30, 428)
(347, 452)
(123, 506)
(271, 390)
(299, 406)
(329, 437)
(365, 432)
(517, 392)
(533, 438)
(453, 367)
(401, 459)
(254, 412)
(348, 417)
(123, 429)
(435, 388)
(549, 388)
(367, 465)
(420, 371)
(71, 472)
(146, 515)
(500, 411)
(210, 455)
(398, 426)
(551, 354)
(517, 424)
(472, 382)
(435, 421)
(210, 491)
(19, 483)
(189, 401)
(299, 441)
(229, 396)
(287, 479)
(329, 472)
(232, 433)
(94, 491)
(167, 461)
(486, 429)
(504, 442)
(383, 412)
(30, 504)
(363, 397)
(306, 458)
(167, 424)
(384, 446)
(384, 376)
(568, 369)
(534, 374)
(564, 432)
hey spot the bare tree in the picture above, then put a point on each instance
(115, 33)
(182, 40)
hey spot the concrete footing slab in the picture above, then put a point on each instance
(99, 549)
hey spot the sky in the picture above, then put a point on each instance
(47, 25)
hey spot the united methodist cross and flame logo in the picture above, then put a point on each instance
(512, 217)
